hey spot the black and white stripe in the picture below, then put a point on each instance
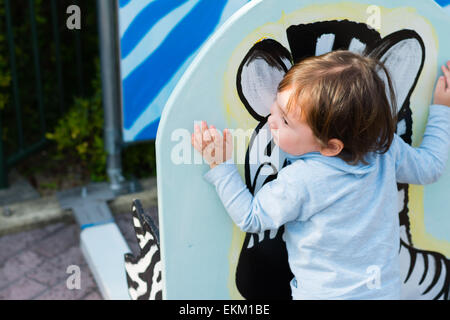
(144, 272)
(425, 274)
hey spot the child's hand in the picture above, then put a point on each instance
(223, 147)
(211, 145)
(201, 141)
(442, 91)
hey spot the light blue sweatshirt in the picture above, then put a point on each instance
(341, 221)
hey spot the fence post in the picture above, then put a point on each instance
(109, 55)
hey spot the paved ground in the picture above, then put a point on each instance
(33, 263)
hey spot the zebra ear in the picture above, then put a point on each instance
(143, 272)
(259, 74)
(403, 54)
(143, 226)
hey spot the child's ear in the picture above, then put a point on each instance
(333, 148)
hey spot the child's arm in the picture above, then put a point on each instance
(426, 164)
(276, 203)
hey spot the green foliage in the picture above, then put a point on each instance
(79, 135)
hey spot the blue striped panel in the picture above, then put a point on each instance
(443, 2)
(146, 19)
(182, 41)
(123, 3)
(147, 84)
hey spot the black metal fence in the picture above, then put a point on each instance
(45, 66)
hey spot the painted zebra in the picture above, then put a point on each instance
(144, 272)
(263, 270)
(425, 274)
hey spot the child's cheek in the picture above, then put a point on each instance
(285, 141)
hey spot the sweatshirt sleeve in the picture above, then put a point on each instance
(277, 202)
(425, 164)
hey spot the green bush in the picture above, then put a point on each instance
(79, 136)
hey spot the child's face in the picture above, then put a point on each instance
(291, 134)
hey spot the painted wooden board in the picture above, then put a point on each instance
(445, 4)
(204, 256)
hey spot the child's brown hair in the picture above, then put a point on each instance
(344, 98)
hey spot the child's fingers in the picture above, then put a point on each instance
(227, 144)
(219, 144)
(227, 136)
(446, 73)
(197, 131)
(440, 85)
(198, 139)
(217, 138)
(204, 128)
(197, 145)
(209, 153)
(224, 133)
(207, 136)
(210, 130)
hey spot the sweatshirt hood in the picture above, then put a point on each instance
(337, 163)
